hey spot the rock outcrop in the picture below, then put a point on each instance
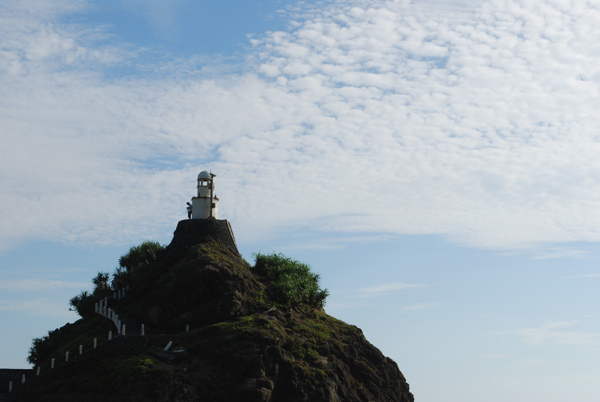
(241, 346)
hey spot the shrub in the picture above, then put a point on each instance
(84, 304)
(132, 264)
(293, 282)
(42, 348)
(136, 261)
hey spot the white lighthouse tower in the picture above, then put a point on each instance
(205, 204)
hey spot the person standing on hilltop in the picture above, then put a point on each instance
(189, 210)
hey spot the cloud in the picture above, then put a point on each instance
(39, 284)
(476, 122)
(595, 275)
(420, 306)
(495, 356)
(551, 333)
(38, 307)
(560, 252)
(387, 288)
(332, 242)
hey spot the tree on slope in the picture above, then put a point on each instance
(294, 284)
(137, 260)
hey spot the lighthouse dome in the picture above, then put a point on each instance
(204, 175)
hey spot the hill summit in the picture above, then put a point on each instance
(216, 329)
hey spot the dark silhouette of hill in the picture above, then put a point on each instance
(242, 344)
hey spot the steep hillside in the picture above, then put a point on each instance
(243, 344)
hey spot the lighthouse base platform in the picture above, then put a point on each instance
(190, 232)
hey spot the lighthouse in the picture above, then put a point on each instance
(203, 225)
(205, 204)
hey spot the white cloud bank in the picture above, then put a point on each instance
(476, 122)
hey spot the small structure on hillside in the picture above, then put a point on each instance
(205, 204)
(203, 223)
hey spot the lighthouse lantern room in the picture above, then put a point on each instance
(205, 204)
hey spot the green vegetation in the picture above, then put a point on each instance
(84, 302)
(114, 376)
(212, 251)
(67, 338)
(240, 324)
(144, 364)
(290, 284)
(280, 321)
(136, 261)
(42, 348)
(293, 282)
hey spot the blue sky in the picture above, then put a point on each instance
(435, 161)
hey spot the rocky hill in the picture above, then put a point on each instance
(241, 344)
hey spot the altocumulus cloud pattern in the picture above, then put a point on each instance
(474, 121)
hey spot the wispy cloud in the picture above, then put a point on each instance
(420, 306)
(553, 333)
(335, 242)
(495, 356)
(32, 284)
(38, 307)
(559, 252)
(477, 123)
(387, 288)
(594, 275)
